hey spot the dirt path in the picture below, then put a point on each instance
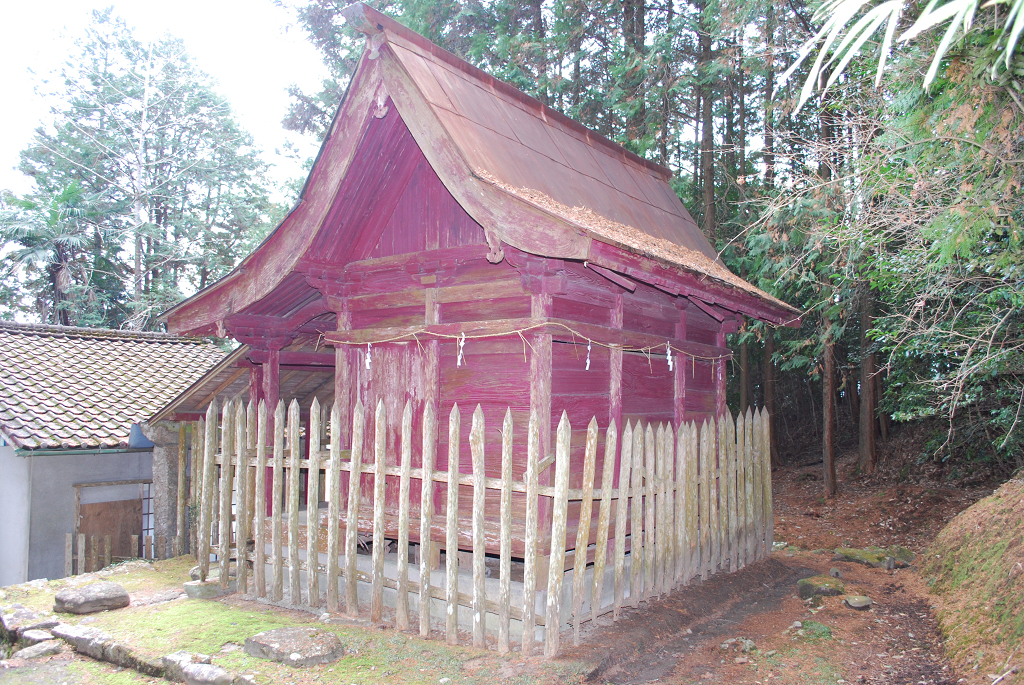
(678, 639)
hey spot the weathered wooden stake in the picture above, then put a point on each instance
(579, 571)
(313, 507)
(766, 484)
(742, 513)
(181, 501)
(260, 502)
(658, 498)
(476, 446)
(451, 551)
(530, 537)
(603, 519)
(559, 510)
(243, 517)
(650, 487)
(636, 534)
(333, 509)
(206, 506)
(706, 443)
(379, 543)
(227, 437)
(294, 483)
(352, 515)
(505, 549)
(277, 486)
(621, 512)
(427, 514)
(402, 601)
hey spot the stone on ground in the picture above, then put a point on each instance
(174, 664)
(84, 640)
(869, 556)
(820, 585)
(91, 598)
(13, 619)
(205, 674)
(39, 650)
(298, 646)
(835, 573)
(858, 602)
(210, 589)
(34, 637)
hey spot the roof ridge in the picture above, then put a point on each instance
(53, 331)
(592, 137)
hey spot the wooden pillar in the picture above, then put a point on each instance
(615, 366)
(180, 531)
(682, 364)
(828, 391)
(540, 401)
(720, 405)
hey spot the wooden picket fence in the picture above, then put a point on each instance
(690, 503)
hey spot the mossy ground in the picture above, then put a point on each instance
(219, 628)
(975, 569)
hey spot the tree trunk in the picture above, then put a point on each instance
(537, 17)
(769, 90)
(707, 137)
(868, 458)
(828, 419)
(769, 392)
(883, 418)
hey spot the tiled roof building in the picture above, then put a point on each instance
(83, 388)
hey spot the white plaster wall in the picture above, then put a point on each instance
(14, 515)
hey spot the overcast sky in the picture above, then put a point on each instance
(252, 48)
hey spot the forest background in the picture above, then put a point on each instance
(888, 213)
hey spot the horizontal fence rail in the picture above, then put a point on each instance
(671, 505)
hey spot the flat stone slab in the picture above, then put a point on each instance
(820, 585)
(13, 619)
(858, 602)
(174, 664)
(34, 637)
(210, 589)
(39, 650)
(299, 646)
(84, 640)
(91, 598)
(206, 674)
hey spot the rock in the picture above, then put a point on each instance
(869, 556)
(84, 640)
(444, 681)
(858, 602)
(835, 573)
(174, 664)
(34, 637)
(194, 573)
(13, 619)
(740, 660)
(820, 585)
(747, 646)
(39, 650)
(298, 646)
(91, 598)
(205, 674)
(903, 556)
(210, 589)
(889, 563)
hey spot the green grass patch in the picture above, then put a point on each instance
(816, 631)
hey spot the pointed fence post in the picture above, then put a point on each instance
(579, 571)
(206, 506)
(476, 447)
(277, 592)
(313, 508)
(636, 534)
(530, 535)
(451, 551)
(649, 511)
(352, 513)
(427, 514)
(556, 566)
(333, 509)
(603, 519)
(621, 513)
(243, 517)
(379, 543)
(260, 503)
(402, 600)
(505, 549)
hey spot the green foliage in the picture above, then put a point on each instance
(145, 189)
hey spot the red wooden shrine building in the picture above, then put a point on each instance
(457, 241)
